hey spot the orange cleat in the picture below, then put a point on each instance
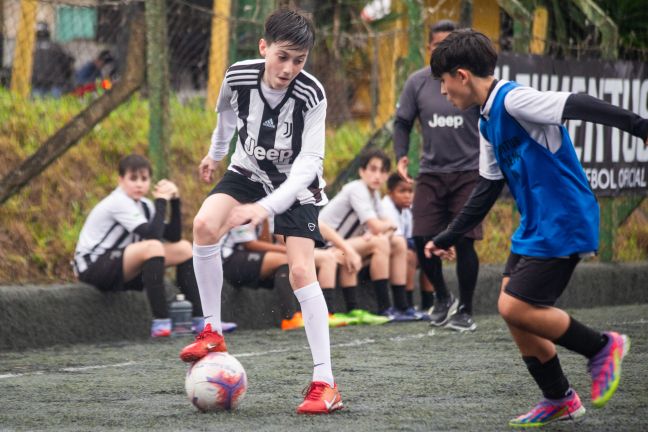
(207, 341)
(320, 398)
(296, 322)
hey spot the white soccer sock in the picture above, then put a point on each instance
(208, 268)
(315, 315)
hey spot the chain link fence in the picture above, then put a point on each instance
(78, 47)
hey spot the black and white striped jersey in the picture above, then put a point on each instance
(349, 211)
(280, 136)
(110, 225)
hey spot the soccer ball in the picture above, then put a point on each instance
(217, 382)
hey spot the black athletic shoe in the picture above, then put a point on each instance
(461, 321)
(443, 310)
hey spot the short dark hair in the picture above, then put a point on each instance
(374, 153)
(292, 26)
(466, 49)
(134, 163)
(442, 26)
(393, 181)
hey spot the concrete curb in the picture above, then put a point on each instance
(36, 316)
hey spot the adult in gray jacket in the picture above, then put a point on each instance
(447, 176)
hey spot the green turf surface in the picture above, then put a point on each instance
(404, 377)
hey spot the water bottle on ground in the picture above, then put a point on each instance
(180, 312)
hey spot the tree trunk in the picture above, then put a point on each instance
(84, 122)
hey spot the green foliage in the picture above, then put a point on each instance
(342, 145)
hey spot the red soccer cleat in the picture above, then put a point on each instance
(320, 398)
(207, 341)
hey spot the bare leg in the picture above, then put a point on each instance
(398, 260)
(209, 226)
(136, 254)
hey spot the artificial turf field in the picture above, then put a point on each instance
(396, 377)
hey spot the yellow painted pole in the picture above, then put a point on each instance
(486, 18)
(23, 60)
(218, 49)
(539, 33)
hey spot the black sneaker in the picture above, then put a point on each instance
(443, 310)
(461, 321)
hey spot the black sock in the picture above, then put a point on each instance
(549, 377)
(582, 339)
(186, 280)
(329, 297)
(467, 271)
(153, 281)
(432, 268)
(410, 298)
(427, 300)
(382, 294)
(400, 299)
(350, 297)
(283, 289)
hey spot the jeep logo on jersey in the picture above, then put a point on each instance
(281, 156)
(446, 121)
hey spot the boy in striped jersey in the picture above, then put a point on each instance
(278, 111)
(125, 245)
(525, 145)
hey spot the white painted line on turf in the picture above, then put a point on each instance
(20, 374)
(70, 369)
(353, 343)
(82, 368)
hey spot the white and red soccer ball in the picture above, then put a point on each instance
(217, 382)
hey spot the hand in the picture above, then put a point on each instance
(247, 214)
(367, 236)
(168, 187)
(206, 169)
(401, 166)
(432, 249)
(350, 259)
(164, 189)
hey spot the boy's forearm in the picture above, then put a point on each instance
(476, 208)
(402, 129)
(329, 234)
(380, 226)
(580, 106)
(173, 230)
(155, 228)
(263, 246)
(302, 174)
(222, 135)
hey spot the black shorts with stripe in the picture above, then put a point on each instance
(243, 268)
(298, 221)
(107, 273)
(538, 281)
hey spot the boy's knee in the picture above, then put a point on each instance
(330, 259)
(185, 250)
(380, 244)
(398, 244)
(507, 308)
(202, 228)
(300, 274)
(152, 248)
